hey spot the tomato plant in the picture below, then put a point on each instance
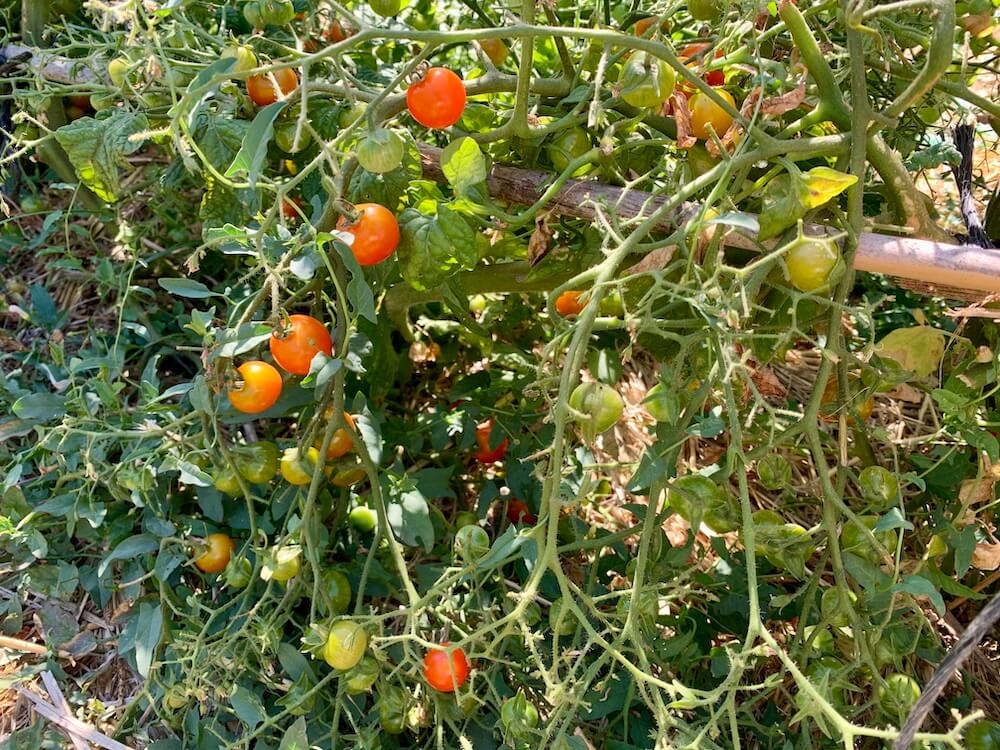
(597, 405)
(297, 341)
(569, 303)
(446, 668)
(437, 100)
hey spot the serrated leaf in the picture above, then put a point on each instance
(434, 248)
(463, 164)
(253, 151)
(97, 149)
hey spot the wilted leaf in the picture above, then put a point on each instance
(656, 260)
(986, 556)
(540, 242)
(97, 148)
(682, 116)
(779, 105)
(918, 349)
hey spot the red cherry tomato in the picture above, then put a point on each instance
(294, 347)
(445, 671)
(569, 304)
(216, 557)
(486, 455)
(517, 512)
(335, 32)
(376, 233)
(712, 77)
(80, 100)
(260, 389)
(263, 92)
(289, 210)
(437, 100)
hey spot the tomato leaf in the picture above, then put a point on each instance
(140, 544)
(253, 151)
(359, 293)
(295, 737)
(41, 406)
(918, 349)
(409, 516)
(784, 203)
(823, 184)
(149, 631)
(98, 148)
(247, 706)
(433, 248)
(917, 585)
(463, 164)
(180, 287)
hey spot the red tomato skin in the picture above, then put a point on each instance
(262, 92)
(443, 673)
(438, 99)
(304, 338)
(517, 512)
(486, 455)
(376, 233)
(261, 388)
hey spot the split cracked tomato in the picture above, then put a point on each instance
(438, 99)
(258, 390)
(446, 669)
(375, 232)
(295, 344)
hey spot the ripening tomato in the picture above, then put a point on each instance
(568, 146)
(290, 208)
(569, 303)
(345, 645)
(341, 443)
(646, 81)
(445, 670)
(216, 557)
(257, 463)
(485, 454)
(437, 100)
(262, 90)
(336, 32)
(495, 49)
(705, 112)
(518, 512)
(643, 25)
(706, 10)
(296, 469)
(813, 264)
(294, 344)
(376, 233)
(259, 390)
(282, 564)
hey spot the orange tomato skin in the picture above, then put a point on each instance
(569, 304)
(437, 100)
(518, 512)
(289, 210)
(216, 557)
(705, 111)
(341, 443)
(294, 348)
(260, 390)
(376, 233)
(262, 91)
(443, 671)
(336, 32)
(485, 455)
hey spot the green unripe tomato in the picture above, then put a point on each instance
(238, 572)
(277, 12)
(785, 545)
(706, 10)
(175, 697)
(289, 138)
(697, 499)
(518, 717)
(253, 14)
(471, 543)
(101, 102)
(569, 145)
(648, 604)
(854, 541)
(350, 115)
(813, 264)
(338, 588)
(363, 519)
(32, 204)
(257, 463)
(663, 404)
(598, 407)
(562, 620)
(363, 675)
(898, 695)
(385, 8)
(226, 481)
(879, 487)
(774, 472)
(345, 645)
(393, 704)
(118, 70)
(646, 81)
(283, 564)
(380, 151)
(833, 610)
(244, 56)
(465, 518)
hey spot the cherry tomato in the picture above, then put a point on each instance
(216, 557)
(376, 233)
(288, 137)
(341, 443)
(437, 100)
(385, 8)
(705, 112)
(283, 564)
(712, 77)
(567, 146)
(897, 695)
(646, 81)
(74, 113)
(445, 670)
(485, 454)
(80, 100)
(598, 407)
(813, 264)
(496, 50)
(706, 10)
(296, 469)
(695, 497)
(345, 645)
(294, 344)
(347, 477)
(569, 303)
(244, 56)
(363, 675)
(363, 519)
(262, 90)
(336, 32)
(857, 542)
(518, 512)
(381, 151)
(518, 717)
(226, 481)
(290, 208)
(471, 543)
(983, 735)
(662, 403)
(257, 463)
(393, 704)
(118, 70)
(259, 390)
(338, 588)
(238, 572)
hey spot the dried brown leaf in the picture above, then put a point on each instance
(541, 241)
(986, 556)
(657, 260)
(682, 116)
(778, 105)
(767, 383)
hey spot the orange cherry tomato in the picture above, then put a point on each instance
(518, 512)
(704, 111)
(262, 90)
(335, 32)
(216, 557)
(342, 442)
(445, 671)
(289, 210)
(437, 100)
(642, 25)
(260, 389)
(376, 233)
(569, 304)
(294, 347)
(486, 455)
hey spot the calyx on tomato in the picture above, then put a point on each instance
(380, 151)
(646, 81)
(597, 407)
